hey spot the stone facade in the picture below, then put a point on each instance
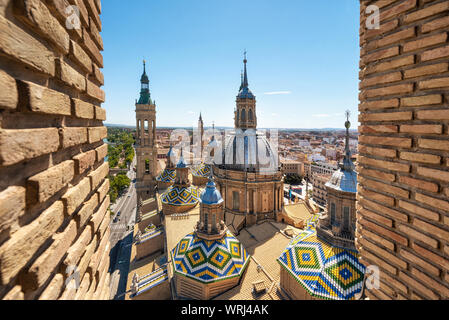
(403, 208)
(54, 207)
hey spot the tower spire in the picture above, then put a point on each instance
(347, 163)
(245, 74)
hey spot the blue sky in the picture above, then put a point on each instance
(303, 59)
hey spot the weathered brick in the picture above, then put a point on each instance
(421, 100)
(73, 136)
(387, 141)
(420, 157)
(85, 259)
(83, 288)
(379, 104)
(374, 260)
(418, 210)
(46, 263)
(21, 46)
(433, 173)
(97, 133)
(99, 77)
(100, 113)
(393, 259)
(378, 128)
(25, 144)
(379, 239)
(76, 195)
(420, 184)
(430, 256)
(96, 257)
(98, 216)
(390, 65)
(83, 109)
(389, 165)
(103, 189)
(104, 225)
(434, 144)
(76, 250)
(418, 235)
(44, 185)
(94, 91)
(435, 24)
(387, 116)
(23, 244)
(383, 28)
(441, 114)
(43, 100)
(12, 205)
(98, 175)
(389, 201)
(9, 96)
(53, 289)
(381, 54)
(80, 56)
(425, 42)
(84, 161)
(96, 37)
(101, 151)
(431, 229)
(431, 283)
(36, 14)
(421, 128)
(14, 294)
(70, 76)
(435, 54)
(429, 294)
(426, 12)
(426, 70)
(86, 211)
(434, 83)
(385, 91)
(373, 216)
(394, 214)
(92, 49)
(434, 202)
(382, 152)
(384, 187)
(396, 37)
(377, 174)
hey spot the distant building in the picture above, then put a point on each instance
(319, 181)
(293, 167)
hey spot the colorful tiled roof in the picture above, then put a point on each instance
(202, 170)
(209, 261)
(180, 196)
(168, 176)
(324, 271)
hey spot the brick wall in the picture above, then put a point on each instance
(403, 208)
(53, 192)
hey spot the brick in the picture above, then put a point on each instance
(104, 226)
(426, 70)
(9, 96)
(100, 113)
(92, 287)
(98, 175)
(435, 24)
(442, 114)
(76, 195)
(103, 189)
(99, 77)
(418, 286)
(418, 210)
(97, 133)
(384, 187)
(92, 49)
(44, 185)
(420, 157)
(433, 173)
(86, 211)
(14, 294)
(390, 65)
(388, 211)
(434, 144)
(84, 161)
(431, 283)
(390, 90)
(411, 256)
(434, 83)
(421, 128)
(393, 282)
(96, 37)
(70, 76)
(421, 100)
(389, 201)
(47, 262)
(426, 12)
(425, 42)
(418, 235)
(101, 151)
(376, 238)
(378, 129)
(376, 80)
(84, 15)
(96, 257)
(383, 28)
(94, 91)
(420, 184)
(69, 291)
(386, 116)
(98, 216)
(374, 260)
(36, 14)
(397, 9)
(396, 37)
(93, 13)
(388, 153)
(83, 109)
(21, 46)
(73, 136)
(84, 287)
(76, 250)
(53, 289)
(435, 54)
(430, 256)
(43, 100)
(384, 254)
(23, 244)
(431, 229)
(80, 56)
(389, 165)
(84, 262)
(386, 141)
(373, 216)
(379, 104)
(12, 206)
(25, 144)
(437, 203)
(381, 54)
(377, 174)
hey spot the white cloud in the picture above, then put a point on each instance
(321, 115)
(277, 92)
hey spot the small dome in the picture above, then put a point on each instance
(211, 195)
(181, 163)
(245, 93)
(180, 196)
(343, 180)
(167, 176)
(202, 170)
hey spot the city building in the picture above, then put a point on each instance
(252, 190)
(293, 167)
(319, 194)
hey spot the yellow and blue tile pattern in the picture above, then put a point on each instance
(167, 176)
(324, 271)
(209, 261)
(202, 170)
(181, 196)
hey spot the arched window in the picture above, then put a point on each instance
(250, 115)
(346, 218)
(243, 115)
(333, 214)
(235, 200)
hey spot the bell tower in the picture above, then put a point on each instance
(245, 112)
(146, 150)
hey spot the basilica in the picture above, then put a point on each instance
(220, 228)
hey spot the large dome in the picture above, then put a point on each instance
(343, 180)
(249, 151)
(209, 261)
